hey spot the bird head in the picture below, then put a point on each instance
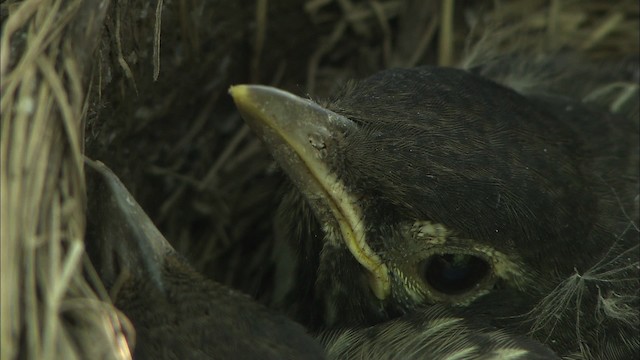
(428, 186)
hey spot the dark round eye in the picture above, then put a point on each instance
(455, 274)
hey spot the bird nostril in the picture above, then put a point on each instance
(317, 142)
(454, 274)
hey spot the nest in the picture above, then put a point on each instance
(142, 87)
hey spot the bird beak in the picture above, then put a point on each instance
(301, 135)
(125, 234)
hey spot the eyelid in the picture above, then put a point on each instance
(427, 239)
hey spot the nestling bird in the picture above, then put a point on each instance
(176, 312)
(434, 214)
(429, 199)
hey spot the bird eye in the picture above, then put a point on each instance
(455, 274)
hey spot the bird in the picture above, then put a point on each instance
(176, 312)
(437, 212)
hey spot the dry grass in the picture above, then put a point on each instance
(120, 71)
(47, 304)
(596, 28)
